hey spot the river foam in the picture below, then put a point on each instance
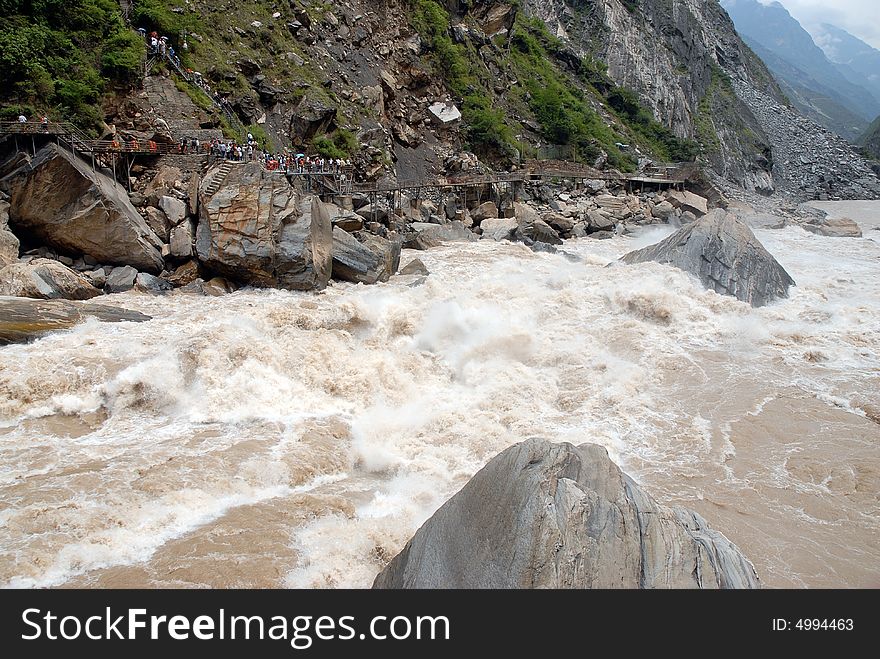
(272, 439)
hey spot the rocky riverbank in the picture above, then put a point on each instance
(68, 231)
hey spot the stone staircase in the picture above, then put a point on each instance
(219, 178)
(167, 102)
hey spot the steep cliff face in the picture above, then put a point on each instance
(679, 57)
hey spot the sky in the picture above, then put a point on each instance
(858, 17)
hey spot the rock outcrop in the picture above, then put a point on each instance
(255, 230)
(44, 279)
(544, 515)
(22, 319)
(59, 200)
(725, 255)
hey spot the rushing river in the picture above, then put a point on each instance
(272, 439)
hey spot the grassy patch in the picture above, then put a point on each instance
(60, 57)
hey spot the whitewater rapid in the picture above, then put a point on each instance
(270, 439)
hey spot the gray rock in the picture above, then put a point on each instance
(597, 221)
(23, 320)
(688, 201)
(663, 211)
(725, 255)
(545, 515)
(559, 222)
(182, 240)
(9, 244)
(500, 229)
(174, 209)
(45, 280)
(426, 236)
(349, 222)
(97, 278)
(59, 199)
(121, 279)
(364, 258)
(373, 212)
(157, 221)
(539, 231)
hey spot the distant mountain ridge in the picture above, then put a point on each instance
(842, 95)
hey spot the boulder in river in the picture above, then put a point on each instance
(725, 255)
(59, 200)
(254, 229)
(363, 258)
(545, 515)
(45, 279)
(22, 319)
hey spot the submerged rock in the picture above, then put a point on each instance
(60, 200)
(840, 227)
(544, 515)
(22, 319)
(415, 267)
(724, 253)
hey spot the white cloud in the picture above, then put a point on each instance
(858, 17)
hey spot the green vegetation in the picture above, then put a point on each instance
(340, 144)
(487, 129)
(61, 56)
(576, 108)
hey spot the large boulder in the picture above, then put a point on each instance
(45, 279)
(255, 230)
(311, 117)
(544, 515)
(485, 211)
(59, 200)
(22, 319)
(725, 255)
(363, 257)
(9, 244)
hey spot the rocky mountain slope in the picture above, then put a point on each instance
(403, 86)
(818, 87)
